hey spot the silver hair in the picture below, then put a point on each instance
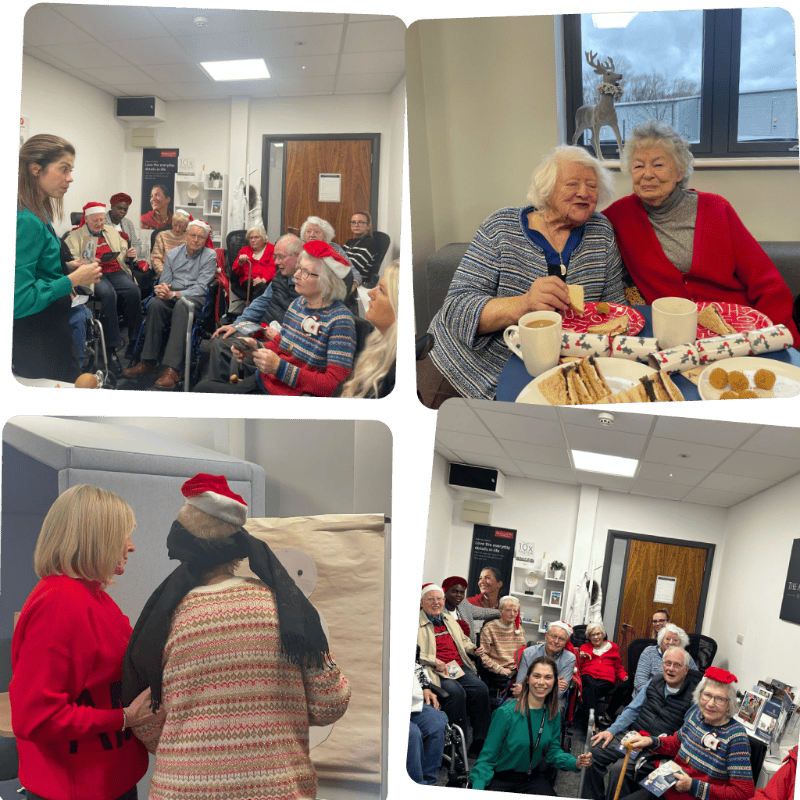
(543, 180)
(327, 228)
(670, 626)
(260, 230)
(179, 212)
(598, 625)
(294, 244)
(507, 599)
(686, 656)
(331, 286)
(654, 133)
(728, 688)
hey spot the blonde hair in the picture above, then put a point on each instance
(206, 526)
(43, 149)
(84, 535)
(379, 351)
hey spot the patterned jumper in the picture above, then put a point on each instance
(237, 712)
(501, 644)
(717, 774)
(502, 261)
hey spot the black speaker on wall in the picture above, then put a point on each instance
(136, 106)
(467, 476)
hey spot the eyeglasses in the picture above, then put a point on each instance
(557, 639)
(713, 699)
(304, 273)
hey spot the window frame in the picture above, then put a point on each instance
(722, 36)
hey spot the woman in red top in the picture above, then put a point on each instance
(160, 216)
(255, 259)
(72, 732)
(600, 666)
(490, 585)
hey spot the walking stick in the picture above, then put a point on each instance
(624, 767)
(249, 280)
(586, 746)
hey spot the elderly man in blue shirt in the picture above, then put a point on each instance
(188, 270)
(555, 642)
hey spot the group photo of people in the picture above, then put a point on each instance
(573, 640)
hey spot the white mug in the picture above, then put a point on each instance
(674, 321)
(540, 347)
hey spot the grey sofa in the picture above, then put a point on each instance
(442, 264)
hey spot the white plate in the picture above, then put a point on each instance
(620, 373)
(531, 579)
(787, 382)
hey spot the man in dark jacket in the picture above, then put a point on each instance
(268, 307)
(658, 708)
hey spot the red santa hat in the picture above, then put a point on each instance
(563, 625)
(720, 675)
(92, 208)
(198, 223)
(211, 494)
(430, 587)
(334, 261)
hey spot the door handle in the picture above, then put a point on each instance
(626, 625)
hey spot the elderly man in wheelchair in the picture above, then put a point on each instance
(188, 270)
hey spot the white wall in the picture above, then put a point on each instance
(106, 163)
(758, 541)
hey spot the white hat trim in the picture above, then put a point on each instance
(221, 507)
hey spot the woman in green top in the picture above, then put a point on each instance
(523, 733)
(42, 339)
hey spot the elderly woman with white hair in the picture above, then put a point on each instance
(501, 639)
(316, 229)
(313, 352)
(600, 666)
(169, 239)
(650, 661)
(711, 748)
(255, 261)
(521, 260)
(676, 242)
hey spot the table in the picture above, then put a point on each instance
(514, 377)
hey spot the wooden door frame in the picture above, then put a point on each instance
(628, 537)
(268, 139)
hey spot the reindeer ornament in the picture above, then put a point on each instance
(603, 112)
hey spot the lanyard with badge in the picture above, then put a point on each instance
(530, 737)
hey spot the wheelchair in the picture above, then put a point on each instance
(454, 756)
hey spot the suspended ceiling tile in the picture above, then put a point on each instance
(523, 429)
(704, 431)
(712, 497)
(736, 484)
(777, 441)
(697, 456)
(536, 453)
(547, 472)
(760, 466)
(45, 26)
(623, 423)
(459, 418)
(615, 483)
(668, 474)
(41, 55)
(671, 491)
(605, 440)
(357, 63)
(154, 53)
(311, 66)
(505, 465)
(89, 55)
(180, 21)
(470, 443)
(268, 20)
(377, 83)
(113, 23)
(177, 73)
(118, 76)
(378, 36)
(445, 452)
(293, 87)
(151, 89)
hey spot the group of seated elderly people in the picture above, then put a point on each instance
(296, 336)
(664, 240)
(678, 712)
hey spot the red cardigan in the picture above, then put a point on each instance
(263, 267)
(728, 264)
(606, 667)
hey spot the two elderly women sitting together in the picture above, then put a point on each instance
(664, 240)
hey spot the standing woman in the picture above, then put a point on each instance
(522, 734)
(72, 732)
(42, 339)
(160, 216)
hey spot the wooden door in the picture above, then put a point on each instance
(646, 560)
(306, 160)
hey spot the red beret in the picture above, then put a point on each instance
(721, 675)
(454, 580)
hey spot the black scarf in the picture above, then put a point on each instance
(302, 639)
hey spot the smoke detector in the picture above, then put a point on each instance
(606, 418)
(201, 22)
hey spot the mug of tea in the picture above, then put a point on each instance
(674, 321)
(536, 340)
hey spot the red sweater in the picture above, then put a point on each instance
(728, 264)
(66, 660)
(605, 667)
(263, 267)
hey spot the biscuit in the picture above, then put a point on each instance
(738, 380)
(729, 395)
(764, 379)
(718, 378)
(602, 308)
(747, 394)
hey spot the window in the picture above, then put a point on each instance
(724, 79)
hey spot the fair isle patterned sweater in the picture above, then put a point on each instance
(501, 644)
(716, 758)
(237, 712)
(502, 261)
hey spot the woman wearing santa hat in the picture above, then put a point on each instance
(94, 239)
(42, 344)
(73, 734)
(711, 748)
(242, 665)
(313, 353)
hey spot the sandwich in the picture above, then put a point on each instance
(616, 326)
(575, 384)
(711, 317)
(655, 388)
(576, 298)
